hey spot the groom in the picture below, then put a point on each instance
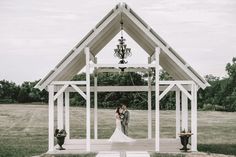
(125, 120)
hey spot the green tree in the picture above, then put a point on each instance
(221, 93)
(30, 94)
(229, 89)
(8, 91)
(23, 95)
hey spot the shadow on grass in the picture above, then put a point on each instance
(166, 155)
(228, 149)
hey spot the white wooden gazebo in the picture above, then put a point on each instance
(186, 84)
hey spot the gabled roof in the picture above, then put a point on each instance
(105, 30)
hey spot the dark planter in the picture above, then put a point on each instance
(60, 136)
(184, 138)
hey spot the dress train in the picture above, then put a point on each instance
(118, 135)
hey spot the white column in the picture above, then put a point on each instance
(157, 116)
(87, 54)
(95, 104)
(50, 118)
(60, 112)
(67, 114)
(149, 103)
(194, 118)
(184, 112)
(177, 109)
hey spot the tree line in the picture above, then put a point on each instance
(220, 96)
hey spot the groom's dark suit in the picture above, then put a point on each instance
(125, 122)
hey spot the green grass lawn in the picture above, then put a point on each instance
(166, 155)
(71, 155)
(23, 128)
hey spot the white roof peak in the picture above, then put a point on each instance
(137, 29)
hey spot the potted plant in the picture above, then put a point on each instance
(184, 138)
(60, 135)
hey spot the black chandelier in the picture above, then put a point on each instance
(122, 52)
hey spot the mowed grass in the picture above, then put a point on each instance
(23, 128)
(69, 155)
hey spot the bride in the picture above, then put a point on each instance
(118, 135)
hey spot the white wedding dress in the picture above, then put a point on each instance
(118, 135)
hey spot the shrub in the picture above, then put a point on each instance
(219, 108)
(6, 101)
(208, 107)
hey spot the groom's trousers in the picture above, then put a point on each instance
(124, 129)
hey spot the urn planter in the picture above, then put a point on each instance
(60, 136)
(184, 138)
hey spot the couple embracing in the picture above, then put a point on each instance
(120, 134)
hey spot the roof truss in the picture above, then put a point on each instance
(135, 27)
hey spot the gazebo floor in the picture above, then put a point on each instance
(75, 146)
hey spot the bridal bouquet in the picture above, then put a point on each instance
(122, 116)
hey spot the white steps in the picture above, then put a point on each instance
(137, 154)
(123, 154)
(108, 154)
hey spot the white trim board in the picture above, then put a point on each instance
(121, 88)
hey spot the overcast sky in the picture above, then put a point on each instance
(36, 34)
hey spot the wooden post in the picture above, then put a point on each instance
(60, 112)
(177, 108)
(51, 118)
(157, 128)
(194, 117)
(67, 114)
(95, 103)
(184, 112)
(149, 103)
(87, 54)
